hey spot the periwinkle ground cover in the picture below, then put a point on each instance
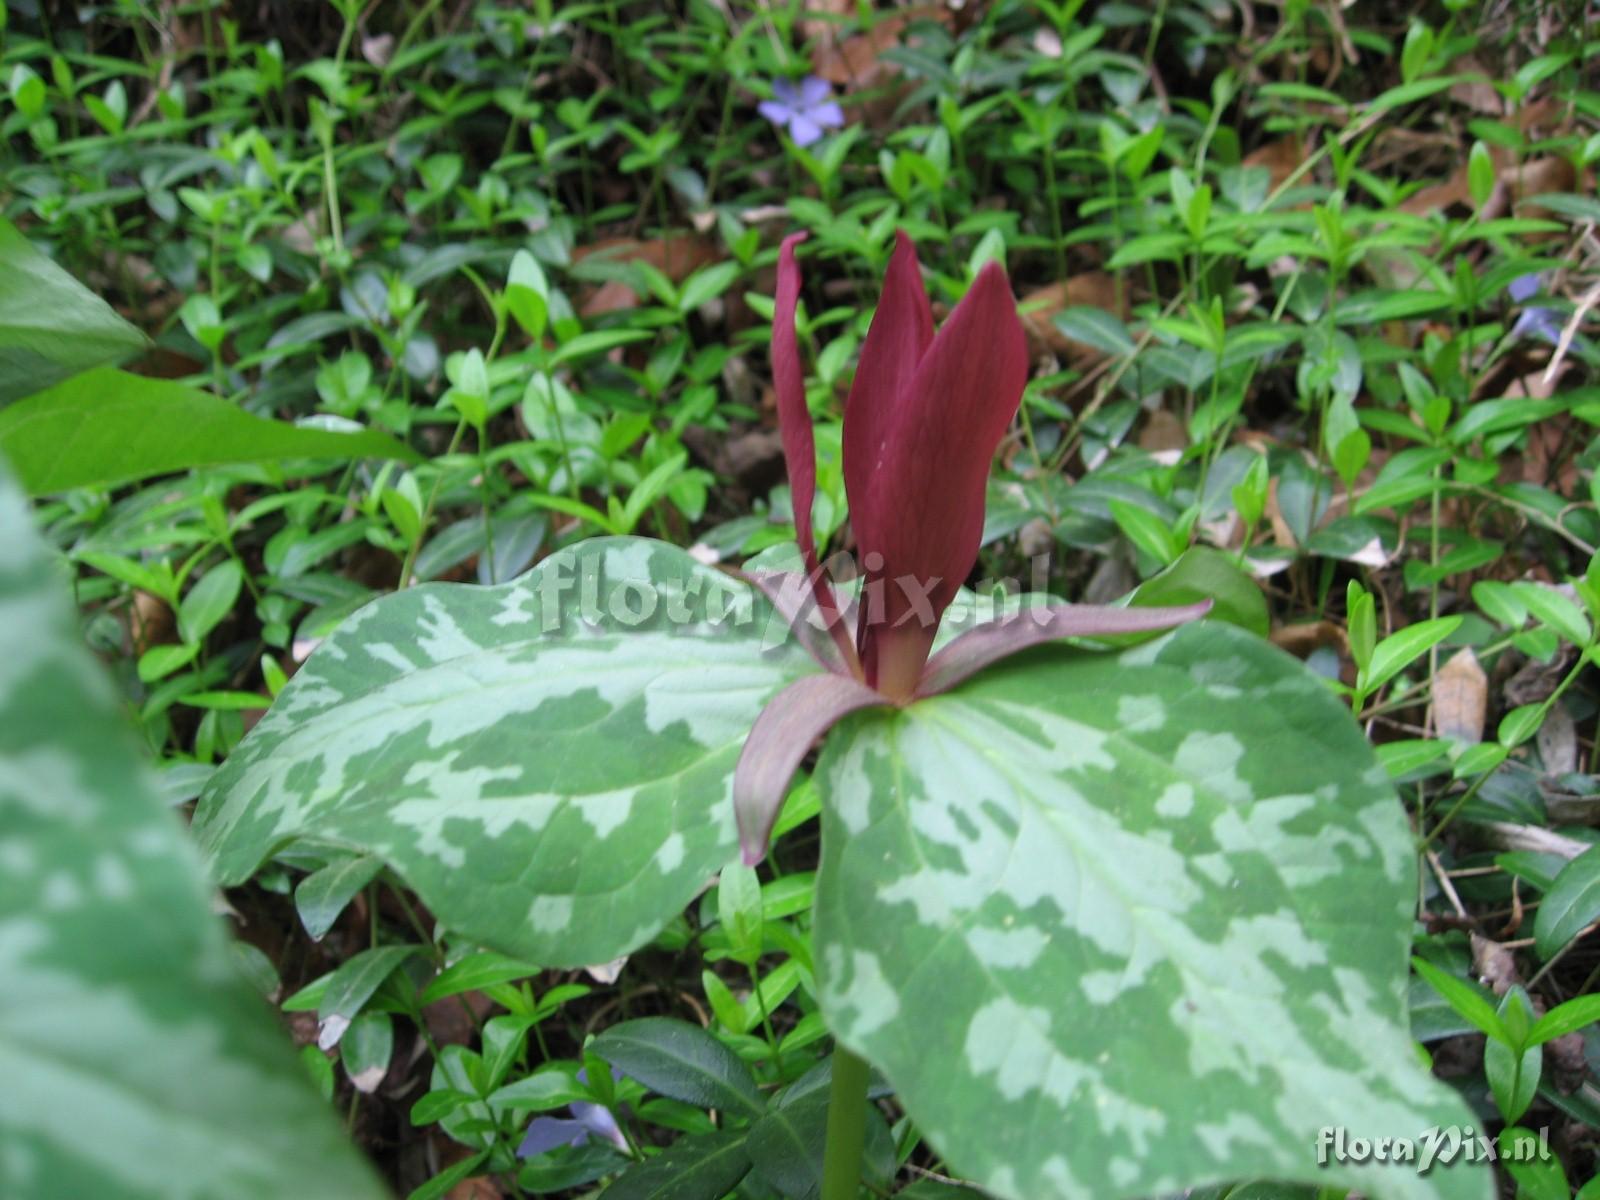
(484, 524)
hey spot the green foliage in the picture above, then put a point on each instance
(464, 735)
(138, 1062)
(401, 294)
(1029, 870)
(104, 426)
(50, 327)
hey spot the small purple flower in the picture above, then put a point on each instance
(587, 1121)
(804, 110)
(1537, 321)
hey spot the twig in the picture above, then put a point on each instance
(1570, 331)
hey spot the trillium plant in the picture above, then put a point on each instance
(921, 426)
(1116, 900)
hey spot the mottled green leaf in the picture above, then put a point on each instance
(51, 326)
(137, 1062)
(682, 1061)
(548, 763)
(107, 426)
(1121, 924)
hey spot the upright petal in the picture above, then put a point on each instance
(794, 418)
(900, 333)
(926, 496)
(794, 426)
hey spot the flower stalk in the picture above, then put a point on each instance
(847, 1127)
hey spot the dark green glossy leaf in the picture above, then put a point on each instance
(787, 1146)
(703, 1167)
(1571, 904)
(682, 1061)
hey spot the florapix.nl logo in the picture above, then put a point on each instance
(1440, 1145)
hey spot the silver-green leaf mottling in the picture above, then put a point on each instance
(1118, 925)
(548, 762)
(136, 1062)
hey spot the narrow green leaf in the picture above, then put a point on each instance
(1527, 1157)
(739, 911)
(1513, 1078)
(365, 1050)
(1564, 1019)
(1463, 997)
(356, 979)
(1201, 573)
(787, 1145)
(476, 971)
(1399, 650)
(51, 326)
(1551, 608)
(707, 284)
(210, 600)
(448, 1178)
(1571, 904)
(324, 894)
(1145, 530)
(105, 426)
(551, 1087)
(1095, 327)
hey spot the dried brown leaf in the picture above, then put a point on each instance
(1461, 697)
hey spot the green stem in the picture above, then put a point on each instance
(847, 1127)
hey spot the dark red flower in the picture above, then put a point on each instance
(921, 426)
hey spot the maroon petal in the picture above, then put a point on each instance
(780, 738)
(925, 496)
(794, 418)
(791, 595)
(900, 333)
(989, 643)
